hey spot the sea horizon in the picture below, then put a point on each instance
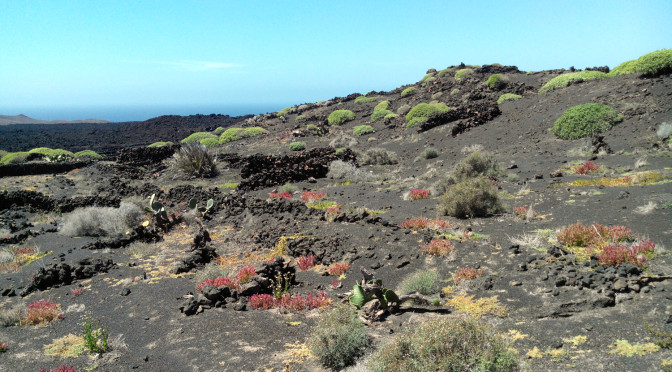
(121, 113)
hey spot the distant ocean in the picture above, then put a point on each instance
(136, 113)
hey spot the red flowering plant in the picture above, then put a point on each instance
(306, 262)
(587, 168)
(312, 196)
(422, 223)
(338, 268)
(42, 311)
(283, 195)
(419, 194)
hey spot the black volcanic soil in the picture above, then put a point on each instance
(109, 138)
(562, 314)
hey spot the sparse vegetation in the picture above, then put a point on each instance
(472, 197)
(425, 282)
(361, 130)
(584, 120)
(160, 144)
(194, 160)
(42, 311)
(478, 164)
(339, 338)
(446, 344)
(379, 156)
(340, 117)
(429, 153)
(347, 172)
(102, 221)
(297, 146)
(95, 336)
(508, 97)
(564, 80)
(423, 111)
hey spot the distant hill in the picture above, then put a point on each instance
(23, 119)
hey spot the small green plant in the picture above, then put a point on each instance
(160, 144)
(339, 338)
(198, 137)
(428, 78)
(585, 120)
(508, 97)
(359, 297)
(87, 153)
(470, 198)
(429, 153)
(446, 344)
(340, 117)
(202, 211)
(95, 336)
(297, 146)
(461, 74)
(379, 156)
(564, 80)
(425, 282)
(408, 91)
(478, 164)
(286, 111)
(361, 130)
(497, 82)
(423, 111)
(365, 99)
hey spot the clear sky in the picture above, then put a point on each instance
(278, 53)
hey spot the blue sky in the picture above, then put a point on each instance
(276, 53)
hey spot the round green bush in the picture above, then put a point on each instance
(408, 91)
(209, 142)
(446, 344)
(461, 74)
(507, 97)
(160, 144)
(365, 99)
(51, 153)
(286, 111)
(301, 118)
(381, 111)
(198, 137)
(584, 120)
(87, 153)
(471, 198)
(361, 130)
(564, 80)
(425, 282)
(339, 337)
(14, 157)
(430, 153)
(339, 117)
(232, 134)
(496, 82)
(423, 111)
(444, 72)
(428, 79)
(650, 65)
(255, 131)
(297, 146)
(218, 131)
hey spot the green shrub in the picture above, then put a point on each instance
(218, 131)
(255, 131)
(391, 115)
(194, 160)
(87, 153)
(232, 134)
(652, 64)
(497, 82)
(52, 154)
(471, 198)
(444, 72)
(95, 336)
(339, 117)
(425, 282)
(564, 80)
(379, 156)
(446, 344)
(339, 338)
(297, 146)
(423, 111)
(428, 79)
(584, 120)
(507, 97)
(198, 137)
(461, 74)
(3, 153)
(408, 91)
(14, 157)
(429, 153)
(209, 142)
(478, 164)
(380, 111)
(160, 144)
(301, 118)
(361, 130)
(365, 99)
(340, 170)
(286, 111)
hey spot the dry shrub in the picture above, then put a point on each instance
(339, 338)
(472, 197)
(194, 160)
(102, 221)
(379, 156)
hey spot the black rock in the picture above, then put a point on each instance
(125, 292)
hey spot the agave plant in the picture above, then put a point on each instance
(195, 160)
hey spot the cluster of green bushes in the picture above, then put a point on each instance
(461, 74)
(428, 78)
(47, 154)
(297, 146)
(652, 64)
(361, 130)
(423, 111)
(235, 134)
(381, 111)
(218, 137)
